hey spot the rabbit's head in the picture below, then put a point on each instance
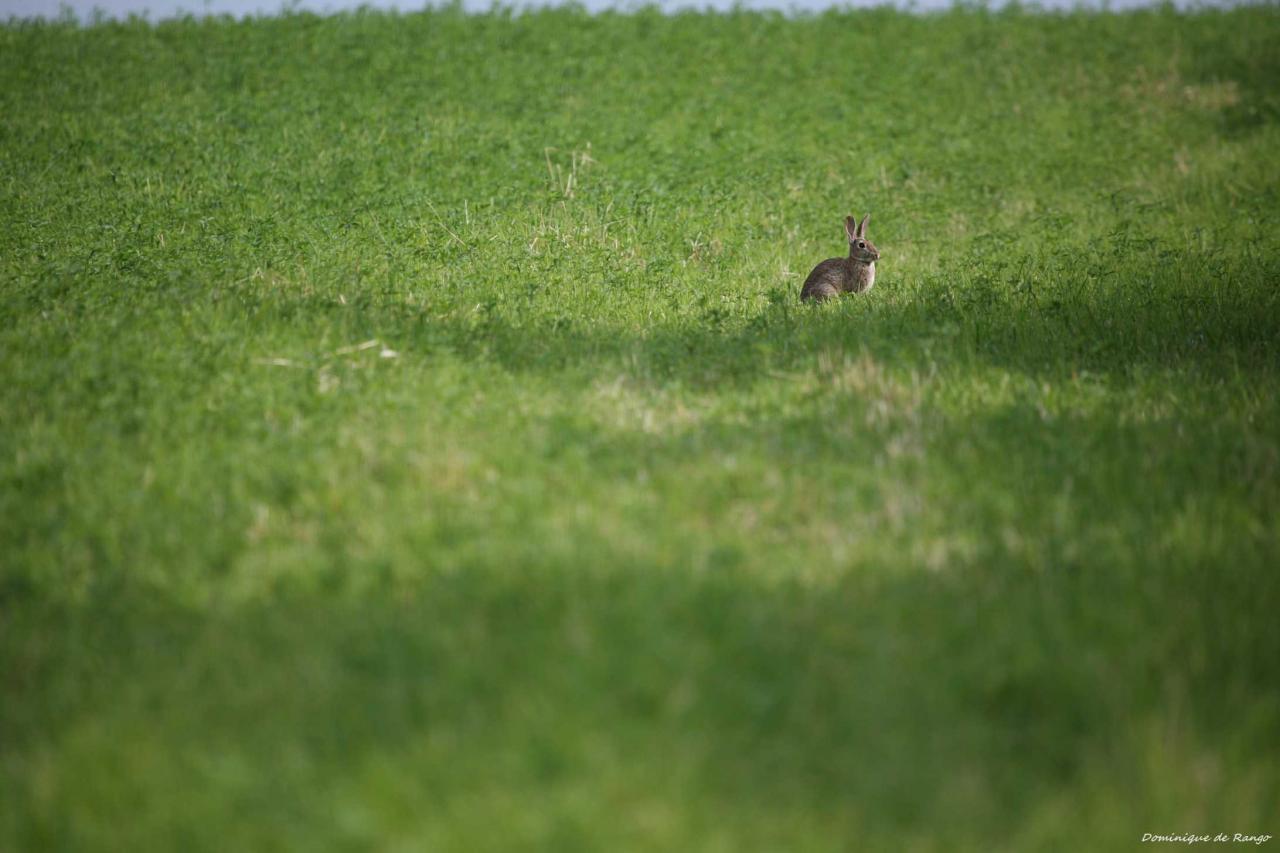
(860, 248)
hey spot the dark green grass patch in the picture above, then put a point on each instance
(411, 437)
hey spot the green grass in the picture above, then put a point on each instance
(608, 542)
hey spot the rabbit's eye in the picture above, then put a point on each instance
(861, 245)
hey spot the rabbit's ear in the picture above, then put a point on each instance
(862, 226)
(850, 228)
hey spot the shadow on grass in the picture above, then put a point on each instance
(951, 703)
(1249, 79)
(1213, 313)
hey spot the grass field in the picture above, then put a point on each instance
(411, 437)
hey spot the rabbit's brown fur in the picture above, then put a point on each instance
(854, 274)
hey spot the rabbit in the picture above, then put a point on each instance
(854, 274)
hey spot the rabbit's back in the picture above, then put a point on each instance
(829, 278)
